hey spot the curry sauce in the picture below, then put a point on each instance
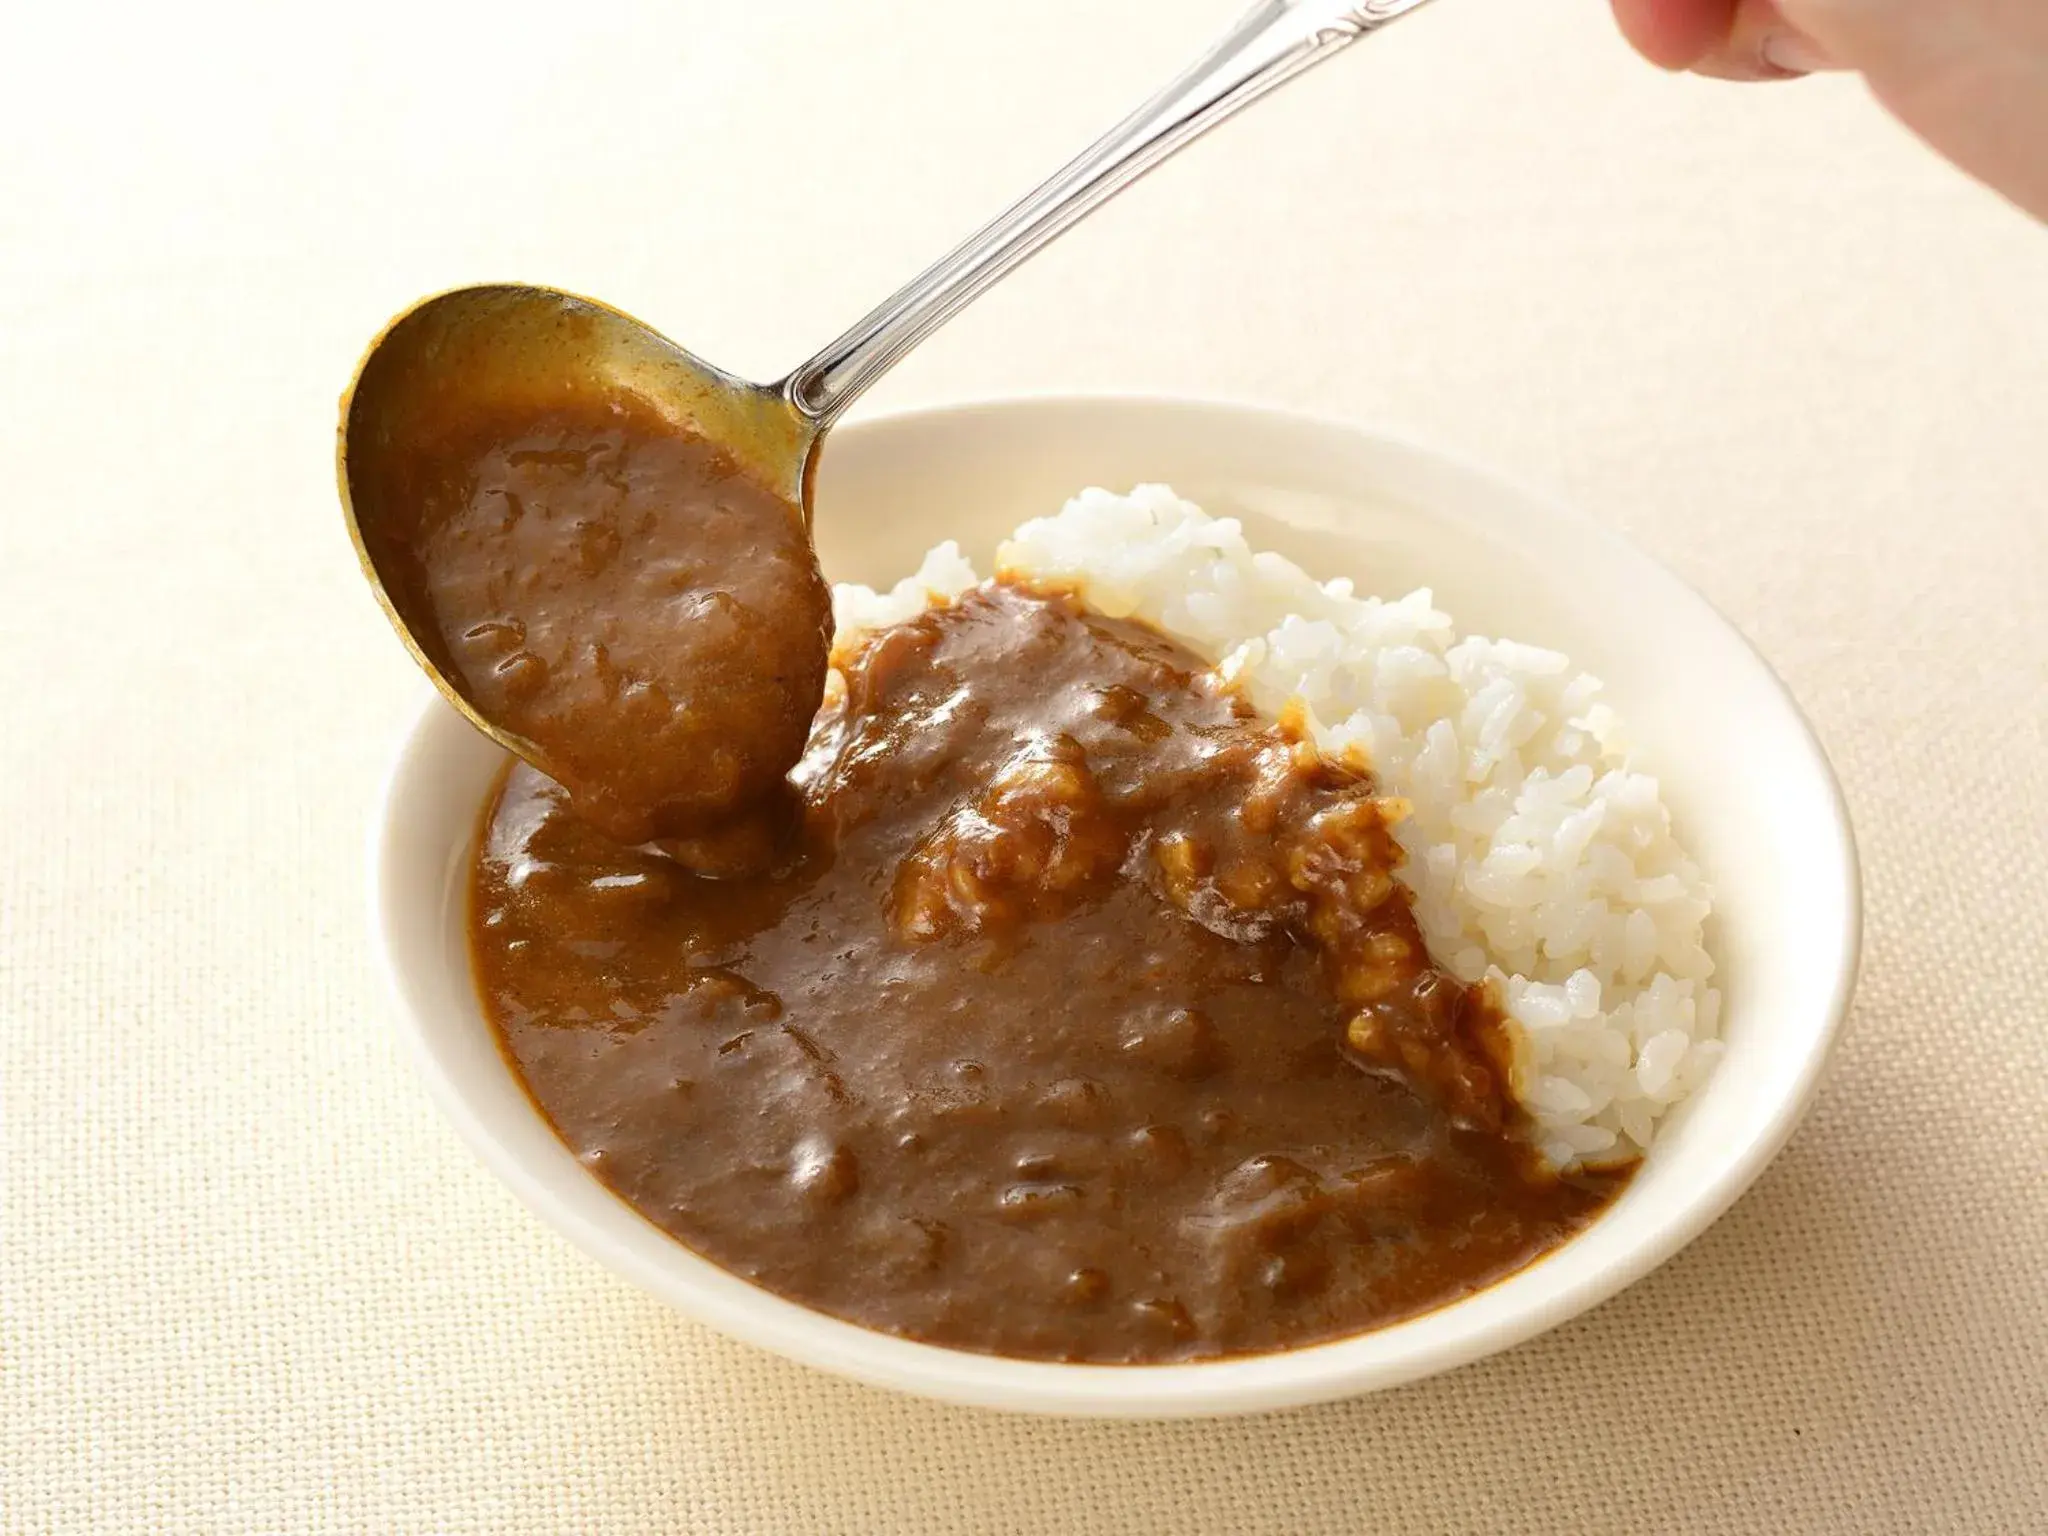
(1080, 1017)
(611, 587)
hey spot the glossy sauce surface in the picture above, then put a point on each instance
(610, 586)
(1083, 1018)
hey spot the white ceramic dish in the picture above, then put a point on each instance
(1754, 795)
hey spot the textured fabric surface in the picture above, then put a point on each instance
(251, 1283)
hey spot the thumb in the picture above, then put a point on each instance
(1969, 76)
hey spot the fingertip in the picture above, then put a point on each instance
(1675, 34)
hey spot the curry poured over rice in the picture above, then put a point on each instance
(1080, 1009)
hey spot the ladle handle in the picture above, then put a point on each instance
(1277, 41)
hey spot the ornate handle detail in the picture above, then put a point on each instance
(1377, 13)
(1276, 42)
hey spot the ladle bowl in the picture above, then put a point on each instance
(476, 346)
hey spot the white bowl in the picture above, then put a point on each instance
(1750, 788)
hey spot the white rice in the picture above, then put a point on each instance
(1538, 857)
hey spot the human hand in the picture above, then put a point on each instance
(1969, 76)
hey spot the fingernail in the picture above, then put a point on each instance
(1796, 54)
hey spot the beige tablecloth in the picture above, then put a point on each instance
(249, 1280)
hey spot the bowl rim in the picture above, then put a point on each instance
(1317, 1373)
